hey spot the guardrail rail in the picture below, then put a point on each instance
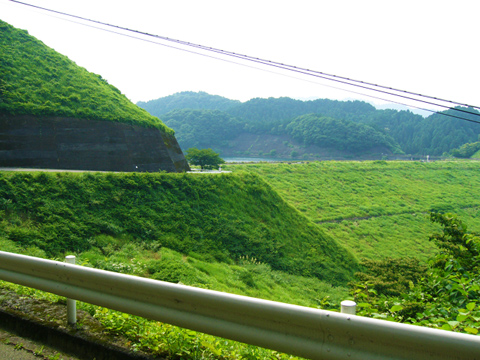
(297, 330)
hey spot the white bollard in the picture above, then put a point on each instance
(71, 304)
(349, 307)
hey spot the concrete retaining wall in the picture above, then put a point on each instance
(79, 144)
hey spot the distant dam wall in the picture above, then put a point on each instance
(28, 141)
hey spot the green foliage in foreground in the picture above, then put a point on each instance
(445, 296)
(36, 80)
(156, 338)
(247, 277)
(222, 216)
(378, 209)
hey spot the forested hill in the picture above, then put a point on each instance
(36, 80)
(187, 100)
(269, 127)
(264, 111)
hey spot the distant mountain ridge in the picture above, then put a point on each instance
(264, 127)
(187, 100)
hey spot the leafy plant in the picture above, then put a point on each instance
(447, 295)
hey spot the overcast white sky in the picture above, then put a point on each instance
(424, 46)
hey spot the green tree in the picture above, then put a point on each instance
(205, 158)
(466, 151)
(446, 297)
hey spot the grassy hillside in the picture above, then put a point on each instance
(377, 209)
(225, 232)
(35, 79)
(217, 217)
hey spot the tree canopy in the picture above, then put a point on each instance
(203, 128)
(466, 150)
(187, 100)
(340, 134)
(205, 158)
(411, 133)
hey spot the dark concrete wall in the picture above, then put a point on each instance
(78, 144)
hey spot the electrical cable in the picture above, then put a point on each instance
(240, 64)
(318, 74)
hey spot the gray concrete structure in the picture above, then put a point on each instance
(79, 144)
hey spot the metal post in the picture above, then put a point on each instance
(71, 304)
(349, 307)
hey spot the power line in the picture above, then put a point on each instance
(318, 74)
(323, 75)
(243, 64)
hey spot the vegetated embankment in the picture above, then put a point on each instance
(378, 209)
(225, 217)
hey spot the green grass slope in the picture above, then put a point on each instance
(35, 79)
(378, 209)
(220, 217)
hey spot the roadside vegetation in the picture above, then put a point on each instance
(241, 233)
(225, 232)
(443, 294)
(247, 277)
(207, 159)
(221, 218)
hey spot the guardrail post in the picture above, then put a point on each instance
(349, 307)
(71, 304)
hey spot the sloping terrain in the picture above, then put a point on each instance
(378, 209)
(36, 80)
(224, 217)
(55, 114)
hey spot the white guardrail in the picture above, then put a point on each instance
(297, 330)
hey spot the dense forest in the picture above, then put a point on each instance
(276, 127)
(339, 134)
(37, 80)
(203, 128)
